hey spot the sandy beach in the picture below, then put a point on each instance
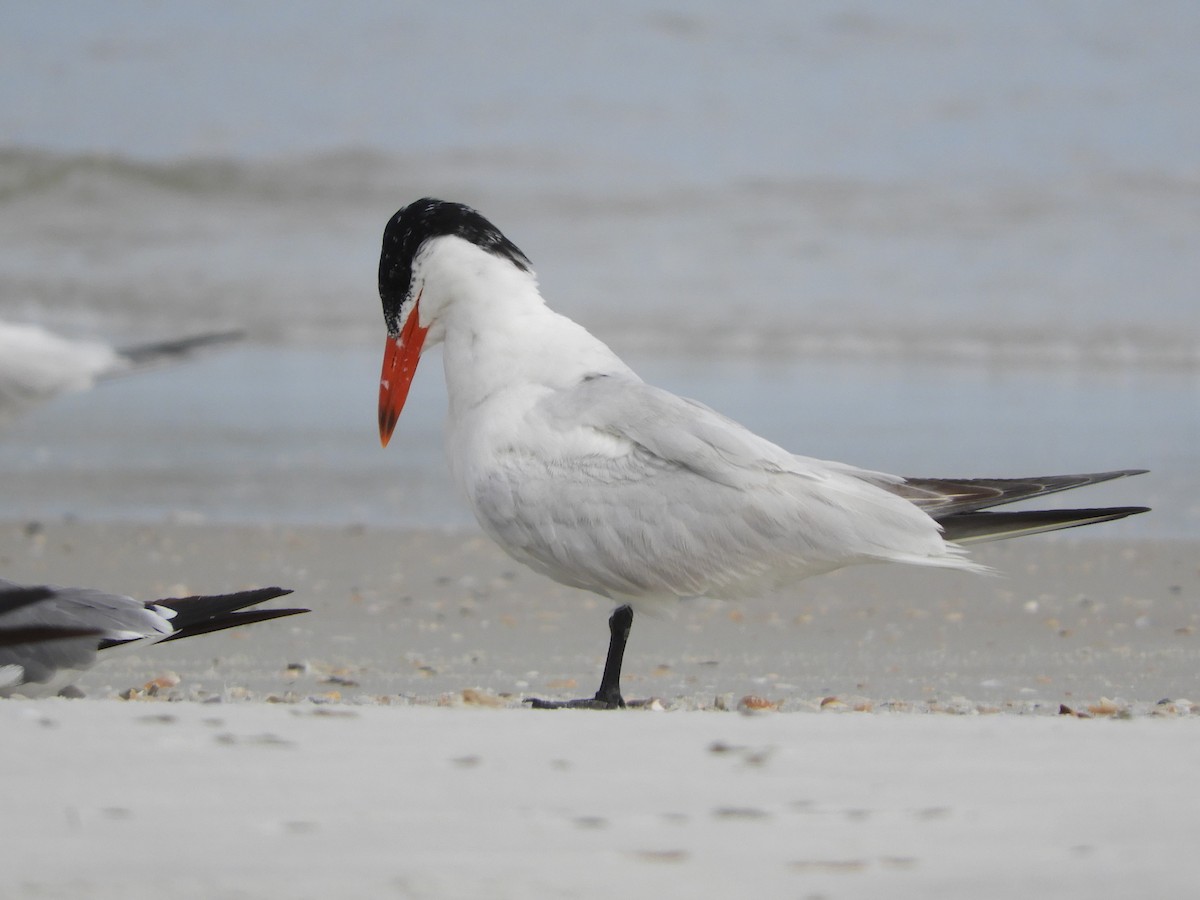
(419, 616)
(910, 740)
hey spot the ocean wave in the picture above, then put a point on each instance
(347, 175)
(27, 171)
(1143, 350)
(1091, 273)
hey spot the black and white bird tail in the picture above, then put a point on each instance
(140, 357)
(959, 504)
(203, 614)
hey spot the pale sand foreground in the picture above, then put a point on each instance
(104, 799)
(334, 793)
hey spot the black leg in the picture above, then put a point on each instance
(609, 695)
(619, 625)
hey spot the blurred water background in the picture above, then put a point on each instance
(932, 238)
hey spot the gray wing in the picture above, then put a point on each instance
(652, 494)
(96, 614)
(14, 598)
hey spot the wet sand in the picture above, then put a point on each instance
(909, 740)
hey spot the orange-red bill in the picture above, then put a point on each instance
(400, 358)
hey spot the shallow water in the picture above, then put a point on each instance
(288, 434)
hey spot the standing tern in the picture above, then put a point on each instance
(37, 364)
(48, 633)
(583, 472)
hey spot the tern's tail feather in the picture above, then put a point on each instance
(943, 497)
(956, 504)
(977, 527)
(145, 356)
(204, 614)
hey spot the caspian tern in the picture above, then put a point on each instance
(583, 472)
(37, 364)
(48, 633)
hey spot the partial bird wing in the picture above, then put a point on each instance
(947, 496)
(13, 597)
(958, 503)
(103, 616)
(101, 620)
(138, 357)
(629, 490)
(206, 614)
(36, 364)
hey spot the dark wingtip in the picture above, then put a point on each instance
(197, 608)
(976, 526)
(233, 620)
(141, 355)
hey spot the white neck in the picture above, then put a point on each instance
(501, 340)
